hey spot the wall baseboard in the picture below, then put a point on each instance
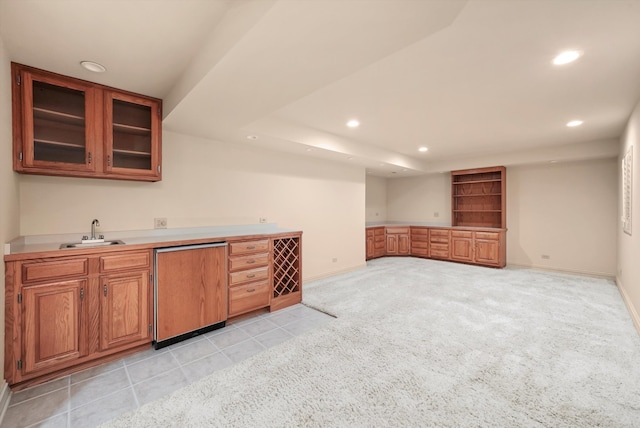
(567, 271)
(334, 273)
(5, 398)
(627, 301)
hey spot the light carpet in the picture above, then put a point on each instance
(420, 342)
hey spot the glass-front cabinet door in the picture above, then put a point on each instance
(132, 126)
(58, 127)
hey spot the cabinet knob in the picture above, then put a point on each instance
(250, 262)
(251, 291)
(105, 290)
(251, 275)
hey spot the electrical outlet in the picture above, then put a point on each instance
(263, 219)
(334, 260)
(545, 256)
(160, 223)
(436, 214)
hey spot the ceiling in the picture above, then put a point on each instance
(471, 80)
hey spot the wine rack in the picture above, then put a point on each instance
(287, 284)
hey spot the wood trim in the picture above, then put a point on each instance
(635, 317)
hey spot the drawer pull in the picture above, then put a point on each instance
(250, 262)
(251, 291)
(251, 247)
(251, 275)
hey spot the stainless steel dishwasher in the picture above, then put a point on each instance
(190, 284)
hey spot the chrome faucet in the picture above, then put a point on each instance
(94, 223)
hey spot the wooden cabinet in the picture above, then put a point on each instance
(490, 248)
(397, 241)
(70, 127)
(287, 271)
(370, 241)
(419, 241)
(439, 243)
(376, 242)
(54, 333)
(461, 245)
(62, 312)
(248, 276)
(478, 197)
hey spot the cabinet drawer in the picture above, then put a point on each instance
(114, 262)
(397, 230)
(439, 239)
(370, 233)
(419, 231)
(378, 231)
(379, 238)
(247, 247)
(248, 275)
(461, 234)
(419, 238)
(419, 244)
(248, 262)
(38, 271)
(440, 247)
(421, 252)
(439, 233)
(488, 235)
(245, 298)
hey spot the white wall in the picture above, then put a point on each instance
(425, 198)
(214, 183)
(376, 199)
(9, 210)
(628, 277)
(566, 211)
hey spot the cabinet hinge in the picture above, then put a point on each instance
(19, 297)
(19, 364)
(82, 294)
(20, 156)
(158, 169)
(151, 278)
(19, 80)
(150, 328)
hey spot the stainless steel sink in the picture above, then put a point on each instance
(91, 244)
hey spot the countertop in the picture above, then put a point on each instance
(35, 245)
(426, 224)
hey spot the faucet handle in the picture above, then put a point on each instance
(101, 237)
(85, 237)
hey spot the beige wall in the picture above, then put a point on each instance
(9, 210)
(420, 199)
(212, 183)
(376, 199)
(628, 277)
(566, 211)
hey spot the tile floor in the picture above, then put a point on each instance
(90, 397)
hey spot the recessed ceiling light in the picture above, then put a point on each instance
(381, 164)
(566, 57)
(350, 158)
(353, 123)
(423, 149)
(404, 169)
(309, 149)
(93, 66)
(553, 161)
(252, 137)
(574, 123)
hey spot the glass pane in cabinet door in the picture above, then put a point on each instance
(58, 124)
(131, 135)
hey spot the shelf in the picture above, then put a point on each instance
(477, 211)
(57, 115)
(497, 180)
(479, 194)
(60, 144)
(130, 129)
(130, 153)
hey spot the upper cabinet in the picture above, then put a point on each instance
(70, 127)
(479, 197)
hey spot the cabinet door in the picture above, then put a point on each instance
(191, 290)
(461, 249)
(487, 252)
(132, 135)
(54, 325)
(403, 244)
(370, 247)
(124, 309)
(392, 244)
(59, 129)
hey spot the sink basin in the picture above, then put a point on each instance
(91, 244)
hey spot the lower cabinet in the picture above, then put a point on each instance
(482, 247)
(66, 311)
(54, 333)
(248, 276)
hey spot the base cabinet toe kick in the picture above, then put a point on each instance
(65, 313)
